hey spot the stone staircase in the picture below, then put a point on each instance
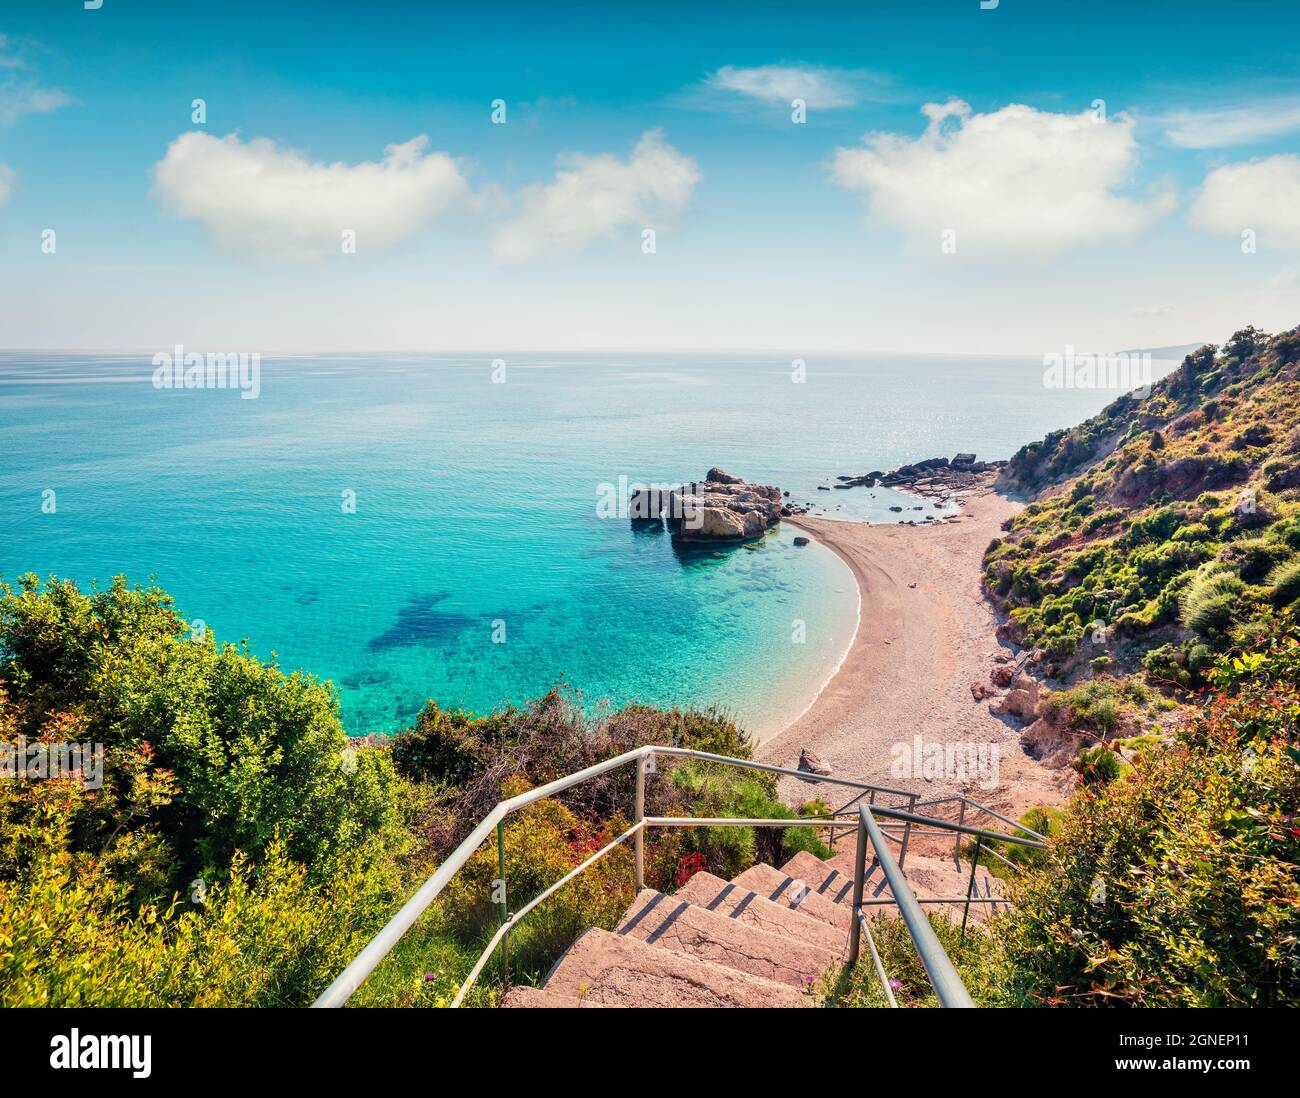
(764, 939)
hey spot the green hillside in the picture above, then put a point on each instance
(1163, 530)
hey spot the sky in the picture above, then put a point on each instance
(924, 176)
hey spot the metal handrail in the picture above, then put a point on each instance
(943, 974)
(382, 943)
(944, 978)
(516, 916)
(967, 801)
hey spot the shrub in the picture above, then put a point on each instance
(1097, 765)
(542, 843)
(212, 751)
(1096, 705)
(1285, 582)
(1208, 604)
(265, 936)
(1174, 884)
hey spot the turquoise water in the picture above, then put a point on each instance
(475, 568)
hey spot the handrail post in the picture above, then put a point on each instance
(638, 841)
(907, 833)
(944, 978)
(505, 914)
(859, 876)
(970, 884)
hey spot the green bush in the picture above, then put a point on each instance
(1285, 583)
(1174, 884)
(1208, 604)
(264, 936)
(234, 751)
(1097, 765)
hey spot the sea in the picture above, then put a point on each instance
(452, 527)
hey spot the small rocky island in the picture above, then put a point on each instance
(720, 508)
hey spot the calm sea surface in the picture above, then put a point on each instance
(475, 567)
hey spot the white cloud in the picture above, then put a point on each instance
(818, 87)
(8, 182)
(20, 95)
(594, 196)
(1237, 125)
(257, 198)
(1262, 195)
(1016, 179)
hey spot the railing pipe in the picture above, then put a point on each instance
(368, 959)
(504, 928)
(505, 909)
(965, 829)
(638, 813)
(943, 975)
(907, 832)
(374, 952)
(859, 877)
(970, 886)
(802, 775)
(876, 961)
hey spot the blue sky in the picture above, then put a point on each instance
(1015, 217)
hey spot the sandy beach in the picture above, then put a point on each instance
(925, 634)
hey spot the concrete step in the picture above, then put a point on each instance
(747, 906)
(824, 878)
(794, 893)
(617, 970)
(534, 997)
(675, 924)
(927, 874)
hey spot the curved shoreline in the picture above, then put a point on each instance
(924, 634)
(762, 738)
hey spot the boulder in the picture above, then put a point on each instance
(979, 691)
(719, 477)
(1049, 743)
(1012, 631)
(811, 763)
(1019, 703)
(1002, 675)
(716, 522)
(801, 540)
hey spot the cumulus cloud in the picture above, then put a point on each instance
(1238, 125)
(818, 87)
(1016, 179)
(1261, 195)
(259, 199)
(594, 196)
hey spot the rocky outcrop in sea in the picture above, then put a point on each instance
(721, 507)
